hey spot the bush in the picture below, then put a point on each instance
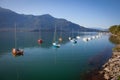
(115, 29)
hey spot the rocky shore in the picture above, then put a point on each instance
(111, 69)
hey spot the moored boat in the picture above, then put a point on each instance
(16, 51)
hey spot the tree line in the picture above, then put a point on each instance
(115, 37)
(115, 29)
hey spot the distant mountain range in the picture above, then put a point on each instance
(8, 19)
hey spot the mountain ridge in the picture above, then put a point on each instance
(45, 22)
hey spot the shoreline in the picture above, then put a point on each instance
(108, 71)
(111, 69)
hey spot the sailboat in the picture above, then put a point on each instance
(60, 39)
(16, 51)
(40, 41)
(73, 39)
(55, 43)
(69, 36)
(85, 39)
(78, 37)
(93, 37)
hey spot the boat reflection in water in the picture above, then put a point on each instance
(46, 61)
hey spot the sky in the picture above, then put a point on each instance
(87, 13)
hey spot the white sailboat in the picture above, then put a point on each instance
(73, 39)
(78, 36)
(93, 37)
(16, 51)
(55, 43)
(70, 38)
(85, 39)
(89, 38)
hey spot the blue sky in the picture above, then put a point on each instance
(88, 13)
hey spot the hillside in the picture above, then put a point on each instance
(30, 22)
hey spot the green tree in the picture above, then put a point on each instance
(115, 29)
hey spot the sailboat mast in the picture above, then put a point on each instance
(55, 33)
(61, 32)
(39, 33)
(72, 33)
(78, 33)
(15, 37)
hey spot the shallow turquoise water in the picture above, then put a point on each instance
(43, 62)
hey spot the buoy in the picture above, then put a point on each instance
(40, 41)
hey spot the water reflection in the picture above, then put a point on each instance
(44, 62)
(29, 39)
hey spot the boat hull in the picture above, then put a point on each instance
(40, 41)
(56, 45)
(17, 52)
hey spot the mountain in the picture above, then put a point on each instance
(8, 19)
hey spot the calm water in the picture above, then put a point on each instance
(43, 62)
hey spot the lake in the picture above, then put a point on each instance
(44, 62)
